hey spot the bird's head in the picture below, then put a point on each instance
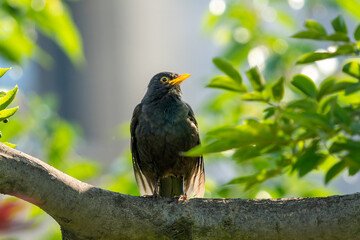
(164, 83)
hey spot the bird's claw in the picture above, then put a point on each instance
(182, 198)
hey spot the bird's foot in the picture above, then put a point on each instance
(182, 198)
(147, 196)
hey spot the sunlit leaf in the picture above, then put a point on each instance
(256, 79)
(352, 6)
(253, 96)
(226, 138)
(339, 24)
(8, 98)
(7, 113)
(3, 71)
(315, 26)
(227, 68)
(277, 90)
(226, 83)
(308, 35)
(10, 144)
(316, 56)
(352, 68)
(334, 171)
(305, 85)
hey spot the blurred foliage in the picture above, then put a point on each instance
(37, 129)
(41, 132)
(5, 99)
(288, 122)
(20, 22)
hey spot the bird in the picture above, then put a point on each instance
(162, 127)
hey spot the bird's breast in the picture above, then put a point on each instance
(163, 134)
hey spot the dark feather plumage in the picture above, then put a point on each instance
(162, 127)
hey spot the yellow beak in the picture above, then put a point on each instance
(179, 79)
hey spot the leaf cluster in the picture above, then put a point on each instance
(319, 125)
(21, 21)
(5, 99)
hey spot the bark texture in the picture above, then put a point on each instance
(86, 212)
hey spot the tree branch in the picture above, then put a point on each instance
(86, 212)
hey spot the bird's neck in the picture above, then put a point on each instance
(156, 99)
(164, 110)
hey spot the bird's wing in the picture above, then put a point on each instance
(195, 184)
(145, 185)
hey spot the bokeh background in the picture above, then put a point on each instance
(82, 67)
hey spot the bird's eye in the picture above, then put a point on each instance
(164, 79)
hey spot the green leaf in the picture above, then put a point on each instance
(334, 171)
(338, 36)
(227, 68)
(308, 35)
(353, 170)
(325, 87)
(7, 113)
(277, 90)
(339, 24)
(315, 26)
(311, 120)
(225, 138)
(351, 88)
(309, 160)
(316, 56)
(305, 85)
(3, 71)
(313, 57)
(357, 33)
(270, 111)
(253, 96)
(10, 144)
(256, 79)
(331, 85)
(352, 68)
(227, 83)
(306, 104)
(352, 6)
(347, 48)
(8, 98)
(347, 144)
(340, 113)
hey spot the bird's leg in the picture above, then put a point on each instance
(183, 194)
(155, 188)
(182, 185)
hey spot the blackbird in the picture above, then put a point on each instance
(162, 127)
